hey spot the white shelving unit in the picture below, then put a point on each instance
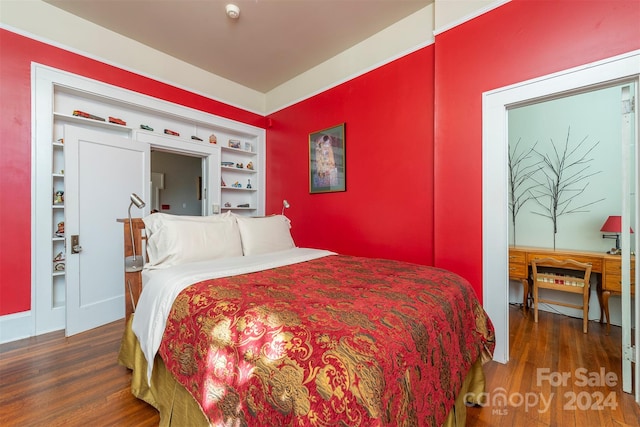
(239, 178)
(57, 217)
(57, 95)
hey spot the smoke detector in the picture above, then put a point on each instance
(233, 11)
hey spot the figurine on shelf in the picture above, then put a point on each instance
(117, 121)
(146, 127)
(60, 230)
(236, 185)
(61, 140)
(171, 132)
(213, 139)
(59, 197)
(79, 113)
(222, 183)
(239, 165)
(250, 165)
(195, 138)
(227, 164)
(59, 257)
(227, 205)
(244, 205)
(248, 183)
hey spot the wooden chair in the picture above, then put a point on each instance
(571, 276)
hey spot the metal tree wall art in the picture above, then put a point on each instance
(564, 179)
(521, 169)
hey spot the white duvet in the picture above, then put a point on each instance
(161, 287)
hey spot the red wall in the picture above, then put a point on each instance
(407, 198)
(17, 53)
(387, 210)
(520, 40)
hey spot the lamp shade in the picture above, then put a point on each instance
(613, 224)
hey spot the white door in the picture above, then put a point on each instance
(102, 170)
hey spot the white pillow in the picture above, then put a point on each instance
(177, 240)
(265, 234)
(154, 221)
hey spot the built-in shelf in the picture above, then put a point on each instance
(238, 189)
(235, 169)
(90, 122)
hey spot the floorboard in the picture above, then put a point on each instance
(557, 376)
(51, 380)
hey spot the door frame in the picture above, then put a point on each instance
(210, 155)
(495, 223)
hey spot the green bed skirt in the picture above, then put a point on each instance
(178, 408)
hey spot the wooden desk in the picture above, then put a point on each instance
(607, 269)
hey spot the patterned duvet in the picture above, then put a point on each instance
(336, 341)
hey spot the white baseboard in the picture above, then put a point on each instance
(17, 326)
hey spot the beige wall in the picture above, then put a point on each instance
(450, 13)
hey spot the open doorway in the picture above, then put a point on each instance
(176, 184)
(565, 175)
(495, 217)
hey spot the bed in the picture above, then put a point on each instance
(236, 326)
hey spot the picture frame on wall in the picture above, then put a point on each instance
(327, 165)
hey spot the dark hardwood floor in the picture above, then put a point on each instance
(51, 380)
(557, 376)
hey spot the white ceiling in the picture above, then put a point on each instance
(271, 42)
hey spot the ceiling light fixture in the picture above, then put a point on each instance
(233, 11)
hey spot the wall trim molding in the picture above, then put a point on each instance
(470, 16)
(16, 326)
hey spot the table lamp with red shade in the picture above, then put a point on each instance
(613, 224)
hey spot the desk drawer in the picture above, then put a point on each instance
(613, 283)
(518, 270)
(614, 266)
(516, 256)
(518, 267)
(596, 263)
(612, 279)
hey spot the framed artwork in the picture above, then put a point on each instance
(327, 166)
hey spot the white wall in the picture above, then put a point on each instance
(594, 117)
(450, 13)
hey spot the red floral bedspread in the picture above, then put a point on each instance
(334, 341)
